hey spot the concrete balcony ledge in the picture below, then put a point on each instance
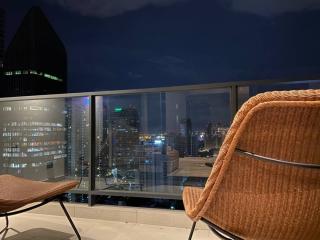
(150, 216)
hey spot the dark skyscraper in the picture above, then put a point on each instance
(1, 38)
(36, 60)
(189, 136)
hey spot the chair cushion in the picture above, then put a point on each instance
(17, 192)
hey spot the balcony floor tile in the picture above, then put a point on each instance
(39, 227)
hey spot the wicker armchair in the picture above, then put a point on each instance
(17, 192)
(265, 182)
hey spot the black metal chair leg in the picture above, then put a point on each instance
(192, 230)
(69, 218)
(220, 235)
(6, 227)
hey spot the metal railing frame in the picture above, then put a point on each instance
(91, 192)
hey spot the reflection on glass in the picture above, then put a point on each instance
(158, 142)
(78, 135)
(44, 139)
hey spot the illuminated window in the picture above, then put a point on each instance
(7, 108)
(33, 72)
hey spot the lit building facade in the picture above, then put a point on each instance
(45, 139)
(33, 143)
(35, 61)
(124, 135)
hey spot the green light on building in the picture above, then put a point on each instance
(118, 109)
(52, 77)
(33, 72)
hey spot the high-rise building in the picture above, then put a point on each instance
(125, 136)
(45, 139)
(178, 142)
(77, 138)
(33, 143)
(35, 61)
(175, 111)
(2, 22)
(186, 131)
(102, 161)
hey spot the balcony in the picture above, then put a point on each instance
(134, 224)
(128, 148)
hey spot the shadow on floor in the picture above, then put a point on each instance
(42, 234)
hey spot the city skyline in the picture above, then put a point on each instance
(48, 139)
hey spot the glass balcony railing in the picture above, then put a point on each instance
(158, 142)
(146, 143)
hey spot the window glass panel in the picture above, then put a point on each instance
(157, 143)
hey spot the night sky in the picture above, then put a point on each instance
(121, 44)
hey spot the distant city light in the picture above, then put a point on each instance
(118, 109)
(86, 101)
(33, 72)
(160, 137)
(201, 137)
(157, 142)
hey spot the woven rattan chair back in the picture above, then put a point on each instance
(256, 199)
